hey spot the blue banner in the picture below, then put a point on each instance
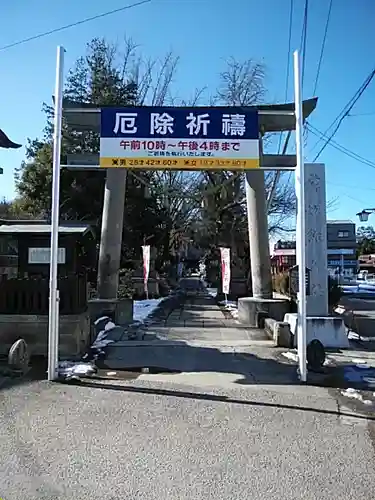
(344, 263)
(179, 122)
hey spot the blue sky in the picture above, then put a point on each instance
(204, 33)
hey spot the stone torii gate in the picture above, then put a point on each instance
(6, 143)
(272, 118)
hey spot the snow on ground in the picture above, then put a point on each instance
(354, 394)
(143, 308)
(70, 370)
(231, 307)
(106, 333)
(359, 288)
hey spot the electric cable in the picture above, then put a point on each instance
(72, 25)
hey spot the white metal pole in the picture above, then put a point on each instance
(53, 319)
(301, 221)
(342, 268)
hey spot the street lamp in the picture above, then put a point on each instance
(364, 215)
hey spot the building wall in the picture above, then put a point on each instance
(341, 249)
(342, 246)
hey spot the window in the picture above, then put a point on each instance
(8, 245)
(343, 234)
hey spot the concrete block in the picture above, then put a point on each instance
(120, 310)
(330, 330)
(250, 308)
(73, 340)
(279, 332)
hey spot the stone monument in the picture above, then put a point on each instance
(329, 330)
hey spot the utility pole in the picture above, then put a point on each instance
(258, 232)
(111, 233)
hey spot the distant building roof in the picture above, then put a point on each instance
(32, 227)
(337, 221)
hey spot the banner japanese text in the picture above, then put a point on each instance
(225, 269)
(179, 138)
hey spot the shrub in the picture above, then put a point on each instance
(126, 286)
(334, 292)
(280, 283)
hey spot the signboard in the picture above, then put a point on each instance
(294, 280)
(42, 255)
(225, 269)
(179, 138)
(342, 263)
(341, 251)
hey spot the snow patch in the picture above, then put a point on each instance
(292, 356)
(354, 394)
(231, 307)
(143, 308)
(69, 370)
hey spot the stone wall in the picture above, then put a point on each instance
(74, 333)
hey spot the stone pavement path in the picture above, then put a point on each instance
(201, 319)
(190, 339)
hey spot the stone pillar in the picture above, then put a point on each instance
(316, 238)
(260, 262)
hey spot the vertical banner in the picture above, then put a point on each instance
(146, 266)
(225, 269)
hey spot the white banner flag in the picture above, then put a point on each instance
(146, 264)
(225, 269)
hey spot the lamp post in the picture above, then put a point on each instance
(365, 213)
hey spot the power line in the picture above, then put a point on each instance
(304, 40)
(287, 62)
(72, 25)
(323, 47)
(370, 113)
(346, 110)
(289, 48)
(361, 188)
(341, 148)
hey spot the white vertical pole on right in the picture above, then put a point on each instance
(301, 221)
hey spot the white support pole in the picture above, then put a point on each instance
(53, 318)
(301, 222)
(342, 269)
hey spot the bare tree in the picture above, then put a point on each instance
(242, 84)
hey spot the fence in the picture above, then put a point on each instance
(31, 296)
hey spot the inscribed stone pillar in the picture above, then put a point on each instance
(316, 238)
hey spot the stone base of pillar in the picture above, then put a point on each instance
(329, 330)
(119, 310)
(253, 311)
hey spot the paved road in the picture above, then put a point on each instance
(196, 436)
(360, 315)
(231, 426)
